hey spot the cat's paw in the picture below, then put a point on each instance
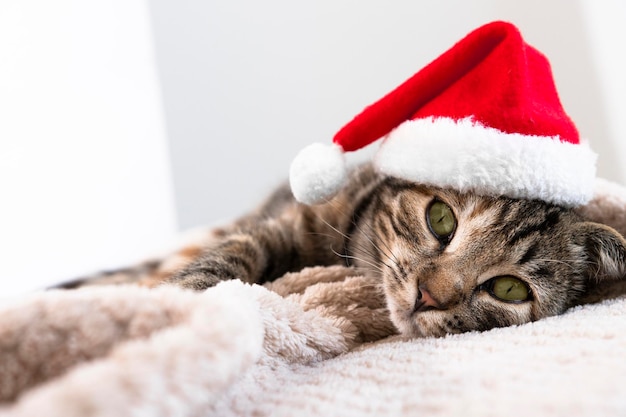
(195, 280)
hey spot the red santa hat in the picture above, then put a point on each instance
(484, 117)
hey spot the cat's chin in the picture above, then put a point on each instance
(418, 324)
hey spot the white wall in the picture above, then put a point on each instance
(84, 171)
(84, 164)
(604, 24)
(247, 83)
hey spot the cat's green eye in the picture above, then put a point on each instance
(509, 289)
(440, 219)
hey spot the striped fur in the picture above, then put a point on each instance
(379, 225)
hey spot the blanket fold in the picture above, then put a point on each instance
(167, 351)
(316, 342)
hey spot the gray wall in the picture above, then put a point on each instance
(246, 84)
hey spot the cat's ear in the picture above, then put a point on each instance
(605, 250)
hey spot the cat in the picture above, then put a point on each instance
(448, 262)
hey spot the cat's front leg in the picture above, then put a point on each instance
(253, 255)
(237, 257)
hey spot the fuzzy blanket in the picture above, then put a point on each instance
(318, 342)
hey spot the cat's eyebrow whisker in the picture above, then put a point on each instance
(560, 262)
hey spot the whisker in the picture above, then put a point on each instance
(387, 253)
(371, 228)
(558, 261)
(345, 256)
(367, 252)
(394, 259)
(380, 270)
(345, 236)
(348, 238)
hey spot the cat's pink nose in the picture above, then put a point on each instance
(425, 301)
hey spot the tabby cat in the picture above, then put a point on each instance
(448, 262)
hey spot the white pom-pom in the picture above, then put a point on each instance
(317, 173)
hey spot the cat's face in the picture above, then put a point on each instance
(454, 262)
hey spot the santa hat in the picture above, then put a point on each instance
(484, 117)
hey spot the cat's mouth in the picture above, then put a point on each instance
(419, 321)
(427, 316)
(421, 306)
